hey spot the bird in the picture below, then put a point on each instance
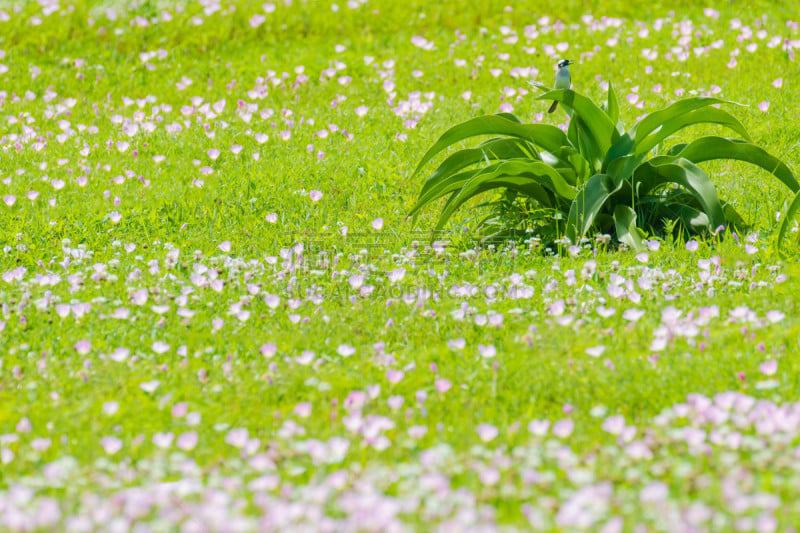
(563, 80)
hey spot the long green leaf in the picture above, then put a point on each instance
(548, 137)
(711, 147)
(572, 131)
(587, 204)
(675, 149)
(449, 184)
(578, 162)
(495, 149)
(549, 177)
(580, 136)
(510, 116)
(690, 212)
(622, 148)
(527, 185)
(568, 174)
(652, 174)
(567, 157)
(627, 232)
(622, 168)
(694, 220)
(790, 215)
(679, 205)
(732, 216)
(595, 119)
(612, 107)
(624, 145)
(710, 115)
(543, 173)
(652, 121)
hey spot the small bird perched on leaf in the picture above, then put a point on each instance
(563, 80)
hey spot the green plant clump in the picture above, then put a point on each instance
(597, 177)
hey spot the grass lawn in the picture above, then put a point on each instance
(215, 315)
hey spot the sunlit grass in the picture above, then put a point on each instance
(149, 319)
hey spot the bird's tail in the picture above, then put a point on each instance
(553, 107)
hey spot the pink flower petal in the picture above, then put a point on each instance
(563, 428)
(83, 346)
(487, 432)
(768, 368)
(443, 385)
